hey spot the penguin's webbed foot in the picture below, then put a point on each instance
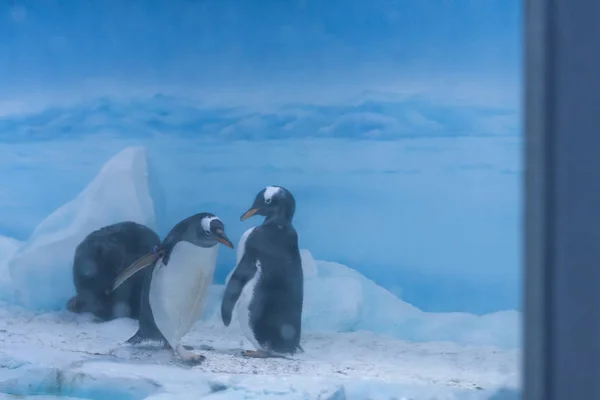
(195, 359)
(167, 346)
(189, 357)
(259, 354)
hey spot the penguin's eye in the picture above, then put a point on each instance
(268, 200)
(208, 233)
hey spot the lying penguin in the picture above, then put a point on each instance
(174, 292)
(99, 258)
(267, 285)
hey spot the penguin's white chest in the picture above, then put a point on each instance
(244, 307)
(178, 290)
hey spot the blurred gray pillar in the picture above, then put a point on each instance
(562, 208)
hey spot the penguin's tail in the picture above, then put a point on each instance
(300, 348)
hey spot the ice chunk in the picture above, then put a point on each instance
(10, 363)
(337, 298)
(332, 304)
(41, 269)
(8, 247)
(63, 383)
(359, 389)
(340, 299)
(158, 196)
(309, 267)
(212, 308)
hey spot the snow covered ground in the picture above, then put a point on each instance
(61, 353)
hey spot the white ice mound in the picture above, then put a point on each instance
(41, 269)
(8, 247)
(309, 266)
(340, 299)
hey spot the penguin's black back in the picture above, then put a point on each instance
(99, 258)
(276, 306)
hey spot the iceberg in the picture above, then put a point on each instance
(41, 270)
(339, 299)
(8, 247)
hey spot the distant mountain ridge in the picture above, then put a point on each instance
(373, 116)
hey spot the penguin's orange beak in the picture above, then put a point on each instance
(221, 237)
(248, 214)
(226, 242)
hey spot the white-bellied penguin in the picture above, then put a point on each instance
(175, 291)
(267, 285)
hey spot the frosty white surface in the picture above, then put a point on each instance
(66, 353)
(41, 268)
(339, 299)
(8, 247)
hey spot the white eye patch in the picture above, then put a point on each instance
(205, 223)
(270, 191)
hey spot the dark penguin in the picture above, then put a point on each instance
(99, 259)
(181, 272)
(267, 284)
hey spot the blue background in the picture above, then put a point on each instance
(396, 124)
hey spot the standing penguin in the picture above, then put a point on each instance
(175, 290)
(99, 258)
(267, 285)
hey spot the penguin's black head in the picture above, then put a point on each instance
(274, 202)
(210, 227)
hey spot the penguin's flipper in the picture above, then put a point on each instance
(140, 264)
(244, 271)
